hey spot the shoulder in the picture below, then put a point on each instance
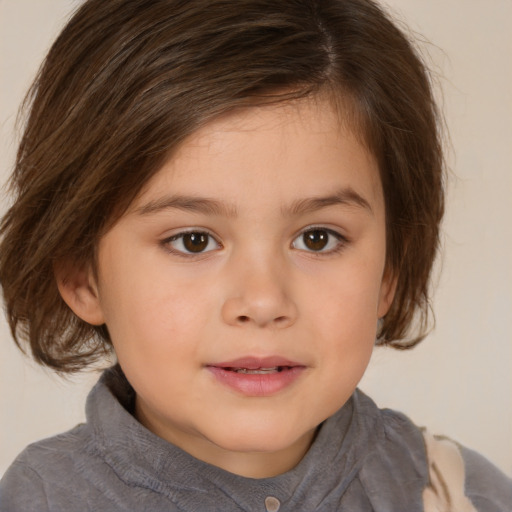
(486, 486)
(44, 468)
(13, 489)
(91, 467)
(402, 445)
(67, 473)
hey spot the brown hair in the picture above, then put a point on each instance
(128, 80)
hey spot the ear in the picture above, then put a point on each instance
(79, 290)
(387, 292)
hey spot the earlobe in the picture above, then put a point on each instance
(387, 292)
(79, 290)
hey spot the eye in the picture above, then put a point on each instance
(319, 240)
(191, 242)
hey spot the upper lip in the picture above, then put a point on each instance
(255, 363)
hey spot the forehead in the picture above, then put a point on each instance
(275, 152)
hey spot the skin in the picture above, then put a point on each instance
(257, 289)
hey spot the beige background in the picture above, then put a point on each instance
(459, 381)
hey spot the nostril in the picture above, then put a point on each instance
(243, 319)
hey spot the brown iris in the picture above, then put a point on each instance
(316, 239)
(195, 242)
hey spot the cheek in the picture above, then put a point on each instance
(341, 314)
(158, 325)
(347, 296)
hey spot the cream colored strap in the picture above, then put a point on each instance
(445, 492)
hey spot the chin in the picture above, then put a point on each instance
(259, 438)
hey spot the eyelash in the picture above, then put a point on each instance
(341, 242)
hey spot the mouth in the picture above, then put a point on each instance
(252, 376)
(258, 371)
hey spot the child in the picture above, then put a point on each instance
(237, 199)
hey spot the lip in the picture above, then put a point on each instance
(257, 385)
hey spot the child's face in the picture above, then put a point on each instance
(260, 244)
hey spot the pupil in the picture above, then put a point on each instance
(316, 240)
(195, 242)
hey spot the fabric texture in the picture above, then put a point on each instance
(363, 459)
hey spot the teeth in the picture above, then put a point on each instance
(259, 371)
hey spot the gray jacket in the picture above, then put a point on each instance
(363, 459)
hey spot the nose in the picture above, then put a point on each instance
(259, 297)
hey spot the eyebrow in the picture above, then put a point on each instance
(207, 206)
(344, 197)
(188, 203)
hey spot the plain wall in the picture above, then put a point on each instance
(459, 381)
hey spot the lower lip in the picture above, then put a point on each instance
(260, 384)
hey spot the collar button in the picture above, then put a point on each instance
(272, 504)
